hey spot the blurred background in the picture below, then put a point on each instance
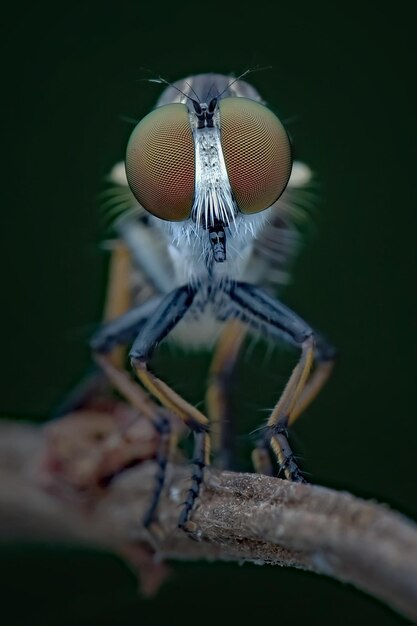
(344, 79)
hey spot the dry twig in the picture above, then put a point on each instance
(239, 517)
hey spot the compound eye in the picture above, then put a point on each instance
(256, 151)
(160, 163)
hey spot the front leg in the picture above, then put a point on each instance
(171, 310)
(262, 312)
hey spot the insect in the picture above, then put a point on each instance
(208, 214)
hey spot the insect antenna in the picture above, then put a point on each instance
(160, 80)
(209, 91)
(250, 70)
(193, 90)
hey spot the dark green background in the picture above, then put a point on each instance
(68, 76)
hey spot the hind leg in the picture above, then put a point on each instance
(218, 392)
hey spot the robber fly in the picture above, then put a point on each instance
(209, 193)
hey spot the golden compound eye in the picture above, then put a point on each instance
(160, 163)
(256, 151)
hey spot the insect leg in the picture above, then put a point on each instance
(124, 328)
(271, 317)
(119, 293)
(163, 427)
(261, 458)
(324, 361)
(218, 391)
(117, 332)
(120, 330)
(162, 423)
(325, 358)
(104, 344)
(118, 300)
(170, 311)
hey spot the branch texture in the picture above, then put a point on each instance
(239, 517)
